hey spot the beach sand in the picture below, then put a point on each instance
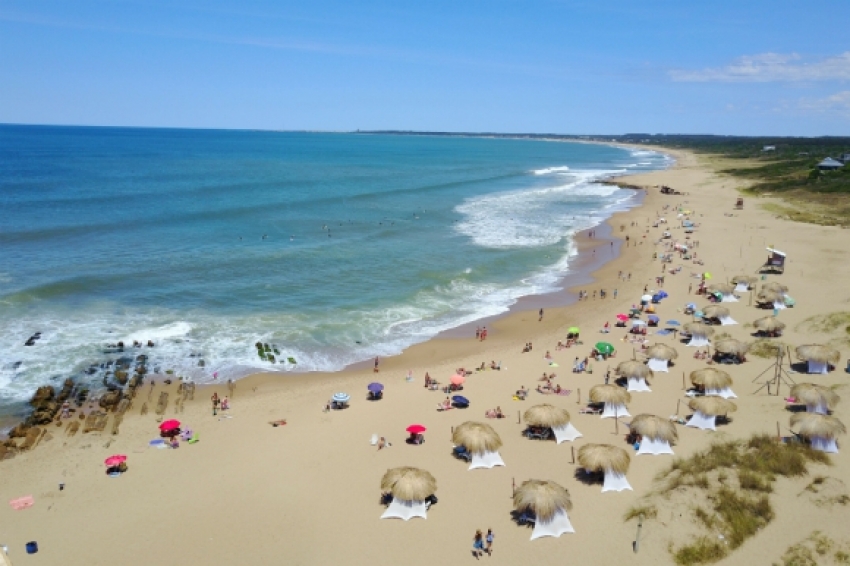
(308, 492)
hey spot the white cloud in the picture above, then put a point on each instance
(771, 67)
(838, 103)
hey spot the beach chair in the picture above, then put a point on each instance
(194, 439)
(462, 453)
(590, 411)
(544, 435)
(526, 518)
(374, 440)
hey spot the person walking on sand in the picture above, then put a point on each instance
(377, 361)
(541, 316)
(478, 545)
(215, 402)
(489, 540)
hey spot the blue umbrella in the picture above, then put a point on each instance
(699, 314)
(375, 387)
(653, 318)
(673, 323)
(460, 400)
(663, 294)
(341, 397)
(691, 306)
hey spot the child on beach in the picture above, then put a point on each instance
(478, 545)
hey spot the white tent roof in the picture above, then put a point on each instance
(486, 460)
(400, 509)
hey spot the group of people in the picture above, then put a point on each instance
(481, 333)
(482, 543)
(494, 413)
(528, 347)
(493, 365)
(223, 404)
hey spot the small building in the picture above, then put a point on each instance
(830, 164)
(769, 148)
(845, 158)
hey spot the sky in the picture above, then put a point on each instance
(754, 67)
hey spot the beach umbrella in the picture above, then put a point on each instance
(662, 352)
(409, 484)
(774, 287)
(478, 438)
(706, 275)
(115, 460)
(638, 323)
(814, 424)
(460, 400)
(818, 353)
(789, 301)
(457, 379)
(816, 396)
(542, 498)
(622, 317)
(653, 318)
(731, 346)
(375, 387)
(699, 314)
(699, 328)
(416, 429)
(573, 330)
(171, 424)
(547, 416)
(743, 279)
(646, 298)
(609, 394)
(769, 324)
(711, 378)
(653, 427)
(674, 323)
(663, 294)
(604, 348)
(715, 311)
(691, 306)
(722, 288)
(633, 369)
(341, 397)
(770, 297)
(602, 457)
(712, 406)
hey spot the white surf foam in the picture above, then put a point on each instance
(550, 170)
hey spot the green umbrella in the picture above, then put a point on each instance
(604, 348)
(573, 330)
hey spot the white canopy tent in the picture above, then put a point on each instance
(657, 365)
(726, 393)
(824, 444)
(401, 509)
(638, 384)
(486, 460)
(779, 305)
(654, 446)
(566, 433)
(615, 481)
(728, 321)
(730, 298)
(699, 340)
(703, 421)
(742, 287)
(558, 525)
(614, 410)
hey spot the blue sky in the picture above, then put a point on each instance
(750, 67)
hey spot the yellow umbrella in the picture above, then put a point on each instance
(707, 275)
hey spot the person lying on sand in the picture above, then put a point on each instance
(494, 365)
(279, 422)
(522, 393)
(445, 405)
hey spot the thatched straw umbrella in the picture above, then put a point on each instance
(770, 297)
(633, 369)
(656, 434)
(722, 288)
(699, 328)
(542, 498)
(817, 357)
(774, 287)
(478, 438)
(706, 410)
(715, 311)
(614, 398)
(821, 430)
(741, 280)
(769, 324)
(711, 378)
(731, 346)
(546, 416)
(611, 460)
(818, 353)
(662, 352)
(409, 484)
(816, 398)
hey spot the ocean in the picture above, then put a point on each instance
(330, 247)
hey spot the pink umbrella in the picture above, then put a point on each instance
(457, 379)
(416, 429)
(622, 317)
(115, 460)
(170, 424)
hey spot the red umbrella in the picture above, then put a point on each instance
(457, 379)
(170, 425)
(622, 317)
(416, 429)
(115, 460)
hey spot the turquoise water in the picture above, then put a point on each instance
(334, 247)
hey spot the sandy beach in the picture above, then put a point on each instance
(308, 492)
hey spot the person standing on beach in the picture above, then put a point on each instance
(541, 316)
(478, 545)
(489, 540)
(477, 332)
(215, 402)
(377, 361)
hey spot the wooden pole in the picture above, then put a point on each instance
(578, 398)
(778, 434)
(637, 536)
(573, 451)
(683, 380)
(677, 406)
(518, 417)
(513, 487)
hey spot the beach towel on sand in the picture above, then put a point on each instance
(22, 502)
